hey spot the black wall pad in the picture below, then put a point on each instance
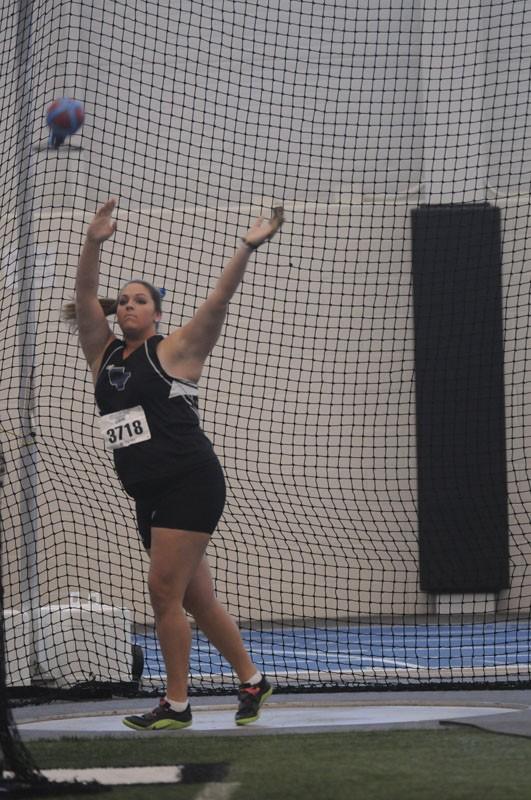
(460, 409)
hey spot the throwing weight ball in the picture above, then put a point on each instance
(64, 117)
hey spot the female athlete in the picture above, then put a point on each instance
(147, 395)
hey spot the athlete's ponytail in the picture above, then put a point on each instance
(108, 305)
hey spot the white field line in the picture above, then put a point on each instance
(128, 776)
(124, 776)
(116, 776)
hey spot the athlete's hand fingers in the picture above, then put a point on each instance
(107, 208)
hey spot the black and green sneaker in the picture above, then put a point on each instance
(250, 698)
(161, 718)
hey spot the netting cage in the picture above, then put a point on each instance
(368, 397)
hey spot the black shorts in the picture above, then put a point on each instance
(193, 501)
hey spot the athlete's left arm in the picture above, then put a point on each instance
(192, 343)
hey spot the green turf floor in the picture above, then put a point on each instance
(388, 765)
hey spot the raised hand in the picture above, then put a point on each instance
(263, 229)
(102, 226)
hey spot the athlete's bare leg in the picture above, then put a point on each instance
(216, 622)
(175, 558)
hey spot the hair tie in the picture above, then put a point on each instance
(162, 293)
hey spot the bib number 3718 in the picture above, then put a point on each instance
(124, 428)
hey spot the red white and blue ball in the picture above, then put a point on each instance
(64, 117)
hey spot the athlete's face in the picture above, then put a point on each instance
(136, 312)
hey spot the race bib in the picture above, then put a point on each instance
(124, 428)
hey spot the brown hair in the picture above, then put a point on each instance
(69, 309)
(109, 306)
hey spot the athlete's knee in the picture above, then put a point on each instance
(163, 591)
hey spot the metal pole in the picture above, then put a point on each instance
(27, 321)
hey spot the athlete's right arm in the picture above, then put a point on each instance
(94, 331)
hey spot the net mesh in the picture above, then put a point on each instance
(199, 117)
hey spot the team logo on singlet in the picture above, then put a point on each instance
(118, 377)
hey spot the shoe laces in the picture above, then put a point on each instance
(162, 706)
(248, 694)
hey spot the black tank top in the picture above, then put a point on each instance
(176, 441)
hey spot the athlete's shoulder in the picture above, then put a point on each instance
(114, 345)
(154, 341)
